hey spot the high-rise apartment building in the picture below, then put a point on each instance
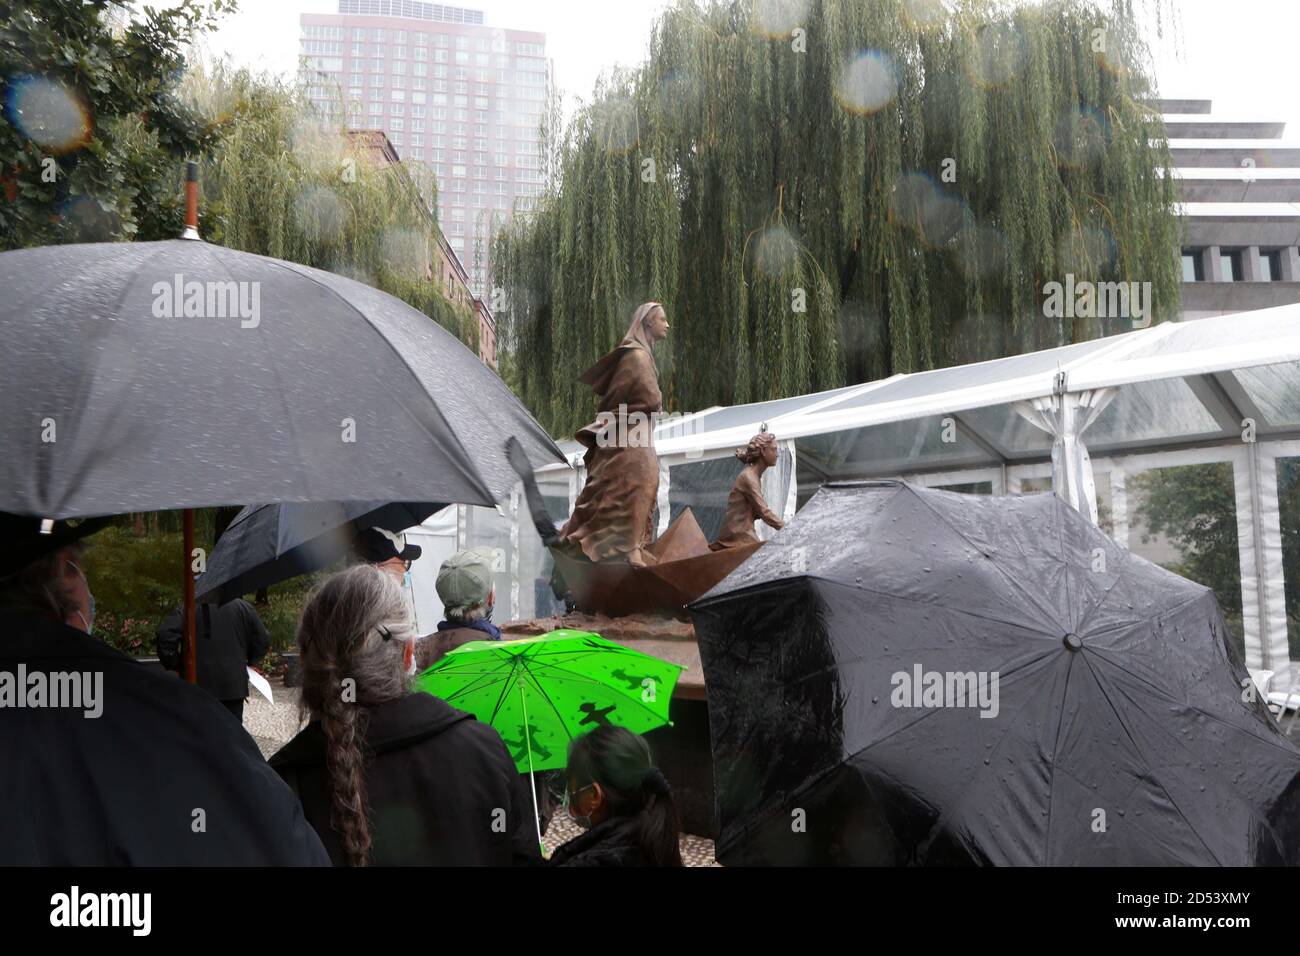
(448, 90)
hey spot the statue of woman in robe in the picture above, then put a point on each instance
(612, 517)
(745, 503)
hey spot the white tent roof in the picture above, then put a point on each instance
(1178, 383)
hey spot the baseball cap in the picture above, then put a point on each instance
(465, 579)
(377, 545)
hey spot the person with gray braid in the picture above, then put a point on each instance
(388, 775)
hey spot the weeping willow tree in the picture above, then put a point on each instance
(833, 191)
(281, 182)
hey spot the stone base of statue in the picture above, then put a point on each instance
(683, 570)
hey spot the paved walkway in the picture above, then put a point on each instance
(274, 725)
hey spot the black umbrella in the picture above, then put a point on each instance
(908, 676)
(267, 544)
(291, 384)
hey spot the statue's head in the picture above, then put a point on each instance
(761, 447)
(654, 320)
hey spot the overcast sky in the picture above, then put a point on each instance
(1240, 53)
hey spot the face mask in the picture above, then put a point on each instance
(90, 625)
(570, 805)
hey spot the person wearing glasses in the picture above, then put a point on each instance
(621, 799)
(387, 551)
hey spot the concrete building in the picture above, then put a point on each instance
(448, 90)
(441, 264)
(1239, 182)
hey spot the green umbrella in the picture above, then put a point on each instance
(541, 692)
(566, 682)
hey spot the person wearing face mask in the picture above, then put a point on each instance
(387, 775)
(621, 799)
(106, 762)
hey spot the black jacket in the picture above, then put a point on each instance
(441, 786)
(612, 842)
(122, 788)
(227, 638)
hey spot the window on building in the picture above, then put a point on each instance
(1270, 265)
(1230, 265)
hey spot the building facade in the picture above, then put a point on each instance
(441, 264)
(1239, 183)
(448, 90)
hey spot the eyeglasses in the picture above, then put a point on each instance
(570, 798)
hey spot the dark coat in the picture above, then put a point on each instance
(434, 647)
(612, 842)
(442, 788)
(227, 638)
(122, 788)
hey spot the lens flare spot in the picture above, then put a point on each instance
(776, 19)
(52, 116)
(776, 251)
(1000, 55)
(867, 83)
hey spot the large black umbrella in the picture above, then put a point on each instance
(855, 717)
(164, 375)
(267, 544)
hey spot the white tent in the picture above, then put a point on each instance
(1079, 420)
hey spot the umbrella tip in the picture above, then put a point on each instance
(191, 201)
(1072, 642)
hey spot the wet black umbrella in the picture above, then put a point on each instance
(908, 676)
(267, 544)
(165, 375)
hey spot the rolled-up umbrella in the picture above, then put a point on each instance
(909, 676)
(267, 544)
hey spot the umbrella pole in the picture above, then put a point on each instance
(187, 640)
(532, 781)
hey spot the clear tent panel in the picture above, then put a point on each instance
(1275, 390)
(921, 444)
(1151, 412)
(703, 487)
(1184, 518)
(1008, 430)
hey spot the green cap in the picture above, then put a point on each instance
(465, 579)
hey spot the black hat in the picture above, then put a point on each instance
(377, 546)
(24, 539)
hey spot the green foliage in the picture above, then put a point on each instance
(1288, 494)
(1195, 506)
(798, 226)
(286, 184)
(136, 580)
(86, 95)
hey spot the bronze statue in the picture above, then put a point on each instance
(745, 503)
(607, 560)
(612, 517)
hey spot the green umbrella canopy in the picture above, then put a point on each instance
(566, 682)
